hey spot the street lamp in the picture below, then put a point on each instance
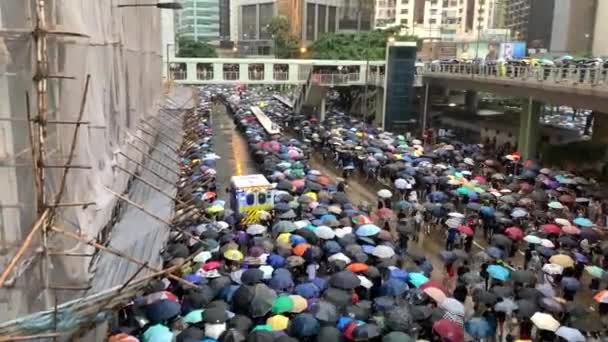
(391, 39)
(162, 5)
(303, 50)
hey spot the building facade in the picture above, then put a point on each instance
(199, 20)
(308, 20)
(600, 38)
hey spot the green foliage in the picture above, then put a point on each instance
(574, 154)
(365, 45)
(194, 49)
(285, 45)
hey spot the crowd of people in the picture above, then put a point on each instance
(320, 268)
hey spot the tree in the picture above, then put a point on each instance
(365, 45)
(285, 45)
(194, 49)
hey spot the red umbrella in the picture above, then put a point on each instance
(466, 230)
(449, 330)
(323, 180)
(480, 179)
(435, 284)
(514, 233)
(571, 230)
(551, 228)
(298, 183)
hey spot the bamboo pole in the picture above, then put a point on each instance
(34, 148)
(93, 242)
(155, 148)
(146, 168)
(30, 337)
(171, 147)
(167, 167)
(162, 133)
(160, 122)
(150, 185)
(28, 240)
(154, 216)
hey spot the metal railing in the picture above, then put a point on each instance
(336, 78)
(564, 76)
(256, 75)
(231, 75)
(204, 75)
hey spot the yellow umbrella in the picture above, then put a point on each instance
(299, 303)
(278, 322)
(284, 238)
(214, 209)
(312, 195)
(563, 260)
(233, 254)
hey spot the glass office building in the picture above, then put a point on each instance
(199, 20)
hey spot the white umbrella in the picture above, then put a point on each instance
(256, 229)
(339, 256)
(469, 161)
(570, 334)
(453, 306)
(553, 269)
(416, 142)
(456, 215)
(562, 222)
(547, 243)
(383, 252)
(384, 193)
(545, 321)
(366, 283)
(401, 183)
(325, 233)
(342, 232)
(453, 222)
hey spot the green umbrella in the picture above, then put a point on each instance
(264, 327)
(282, 304)
(194, 316)
(463, 191)
(595, 271)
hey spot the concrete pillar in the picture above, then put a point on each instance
(218, 71)
(322, 110)
(529, 129)
(191, 71)
(446, 94)
(294, 71)
(600, 128)
(424, 110)
(471, 101)
(243, 72)
(269, 72)
(379, 106)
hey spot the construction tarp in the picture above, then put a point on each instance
(120, 48)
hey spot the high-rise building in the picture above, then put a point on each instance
(308, 20)
(518, 16)
(446, 20)
(600, 38)
(385, 13)
(199, 20)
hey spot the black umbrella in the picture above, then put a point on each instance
(397, 336)
(523, 276)
(260, 336)
(241, 323)
(501, 240)
(503, 291)
(325, 311)
(525, 308)
(421, 312)
(252, 276)
(339, 297)
(366, 332)
(359, 312)
(399, 319)
(329, 334)
(485, 297)
(304, 325)
(345, 280)
(193, 333)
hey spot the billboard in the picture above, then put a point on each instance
(513, 50)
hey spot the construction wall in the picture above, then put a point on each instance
(120, 48)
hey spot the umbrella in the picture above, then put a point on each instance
(466, 230)
(503, 291)
(367, 230)
(562, 260)
(533, 239)
(436, 294)
(399, 319)
(601, 297)
(325, 233)
(345, 280)
(384, 193)
(417, 279)
(583, 222)
(485, 297)
(260, 336)
(395, 336)
(525, 308)
(523, 276)
(366, 332)
(551, 228)
(282, 304)
(570, 334)
(304, 325)
(553, 269)
(514, 233)
(449, 330)
(162, 310)
(544, 321)
(325, 311)
(436, 284)
(501, 240)
(278, 322)
(263, 298)
(495, 252)
(507, 305)
(393, 287)
(595, 271)
(383, 252)
(479, 328)
(453, 306)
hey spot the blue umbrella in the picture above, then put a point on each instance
(331, 247)
(384, 303)
(495, 252)
(486, 211)
(398, 273)
(307, 290)
(571, 284)
(304, 325)
(162, 310)
(417, 279)
(393, 287)
(275, 260)
(327, 217)
(583, 222)
(367, 230)
(437, 196)
(498, 272)
(281, 281)
(479, 328)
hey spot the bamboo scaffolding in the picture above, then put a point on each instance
(94, 243)
(171, 147)
(160, 122)
(177, 143)
(143, 180)
(146, 168)
(154, 148)
(154, 216)
(167, 167)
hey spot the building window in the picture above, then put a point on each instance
(249, 29)
(404, 21)
(433, 21)
(331, 20)
(310, 21)
(321, 29)
(405, 11)
(405, 2)
(433, 11)
(266, 15)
